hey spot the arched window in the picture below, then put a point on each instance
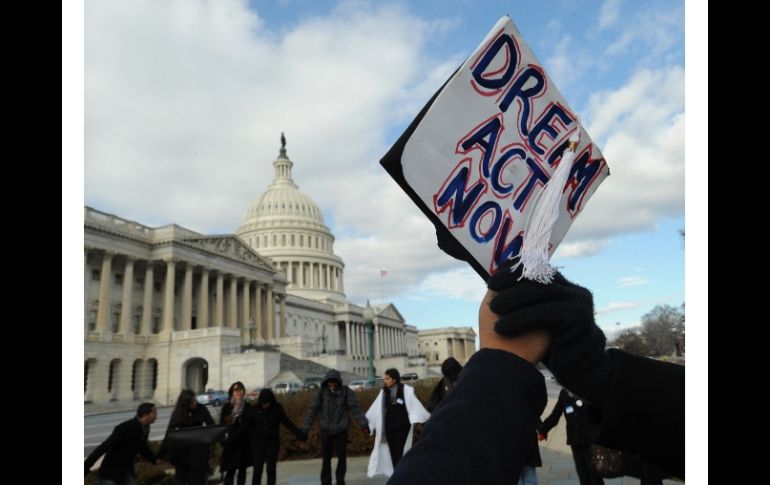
(153, 373)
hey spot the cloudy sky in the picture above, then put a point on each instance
(185, 102)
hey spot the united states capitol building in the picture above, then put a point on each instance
(167, 308)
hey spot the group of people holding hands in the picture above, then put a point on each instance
(253, 437)
(482, 431)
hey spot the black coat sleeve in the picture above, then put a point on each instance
(286, 421)
(644, 411)
(483, 430)
(144, 449)
(553, 418)
(117, 435)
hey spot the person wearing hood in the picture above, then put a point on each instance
(450, 369)
(264, 420)
(332, 404)
(392, 415)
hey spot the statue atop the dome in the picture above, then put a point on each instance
(283, 142)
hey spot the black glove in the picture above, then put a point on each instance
(302, 435)
(566, 311)
(366, 430)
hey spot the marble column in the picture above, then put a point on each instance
(259, 319)
(203, 299)
(348, 341)
(232, 310)
(149, 288)
(219, 302)
(105, 293)
(377, 342)
(270, 313)
(86, 288)
(186, 323)
(168, 298)
(127, 304)
(245, 293)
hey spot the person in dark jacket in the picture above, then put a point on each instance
(191, 462)
(236, 453)
(528, 473)
(578, 434)
(520, 324)
(264, 421)
(332, 404)
(127, 439)
(450, 369)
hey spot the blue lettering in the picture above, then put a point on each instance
(536, 175)
(557, 153)
(581, 175)
(490, 129)
(478, 72)
(503, 251)
(517, 90)
(498, 167)
(478, 214)
(455, 195)
(544, 126)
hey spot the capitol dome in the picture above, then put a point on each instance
(287, 226)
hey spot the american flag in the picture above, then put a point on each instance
(383, 273)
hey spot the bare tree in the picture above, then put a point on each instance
(660, 328)
(630, 341)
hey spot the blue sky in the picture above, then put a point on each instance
(185, 101)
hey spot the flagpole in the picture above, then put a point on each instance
(382, 291)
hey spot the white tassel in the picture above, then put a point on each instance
(534, 252)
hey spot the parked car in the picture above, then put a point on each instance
(364, 384)
(212, 397)
(357, 385)
(409, 376)
(312, 383)
(287, 387)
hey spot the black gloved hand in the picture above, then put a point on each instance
(565, 310)
(302, 435)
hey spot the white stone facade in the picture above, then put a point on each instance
(438, 344)
(168, 308)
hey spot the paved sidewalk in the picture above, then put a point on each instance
(558, 467)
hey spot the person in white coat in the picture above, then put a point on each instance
(391, 417)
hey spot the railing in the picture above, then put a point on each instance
(328, 352)
(242, 349)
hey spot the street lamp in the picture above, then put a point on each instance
(369, 325)
(252, 327)
(323, 340)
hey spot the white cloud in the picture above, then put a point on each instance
(609, 13)
(631, 281)
(640, 128)
(649, 33)
(579, 249)
(458, 284)
(568, 62)
(185, 102)
(616, 306)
